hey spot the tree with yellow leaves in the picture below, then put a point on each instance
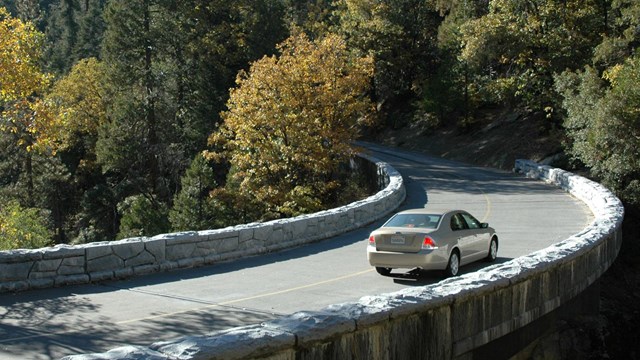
(291, 122)
(22, 228)
(21, 83)
(74, 108)
(74, 105)
(20, 51)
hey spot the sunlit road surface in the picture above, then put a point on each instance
(48, 324)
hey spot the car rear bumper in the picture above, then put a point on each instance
(436, 259)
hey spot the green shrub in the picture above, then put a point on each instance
(23, 228)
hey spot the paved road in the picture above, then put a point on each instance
(51, 323)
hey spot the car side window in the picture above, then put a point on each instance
(457, 223)
(472, 223)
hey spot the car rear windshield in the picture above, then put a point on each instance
(425, 221)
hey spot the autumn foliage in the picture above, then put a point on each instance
(20, 76)
(291, 122)
(106, 107)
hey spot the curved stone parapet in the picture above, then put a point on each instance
(100, 261)
(447, 320)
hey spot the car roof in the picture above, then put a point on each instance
(427, 211)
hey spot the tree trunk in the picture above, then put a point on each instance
(150, 110)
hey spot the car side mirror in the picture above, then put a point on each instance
(484, 225)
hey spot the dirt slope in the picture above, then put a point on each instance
(495, 140)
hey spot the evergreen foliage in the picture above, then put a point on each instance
(142, 216)
(401, 35)
(107, 105)
(193, 207)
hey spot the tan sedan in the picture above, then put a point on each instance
(428, 240)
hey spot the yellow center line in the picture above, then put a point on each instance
(488, 212)
(229, 302)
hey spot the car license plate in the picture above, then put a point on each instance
(397, 240)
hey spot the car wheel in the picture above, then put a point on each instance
(383, 270)
(454, 265)
(493, 250)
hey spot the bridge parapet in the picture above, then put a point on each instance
(447, 320)
(69, 265)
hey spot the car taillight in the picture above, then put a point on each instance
(372, 241)
(428, 243)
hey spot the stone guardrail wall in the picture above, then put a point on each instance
(447, 320)
(68, 265)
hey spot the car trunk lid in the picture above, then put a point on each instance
(399, 240)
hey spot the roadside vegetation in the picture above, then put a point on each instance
(124, 118)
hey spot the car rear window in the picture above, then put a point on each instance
(424, 221)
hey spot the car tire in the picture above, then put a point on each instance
(384, 271)
(493, 250)
(453, 266)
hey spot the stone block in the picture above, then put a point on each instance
(467, 317)
(128, 249)
(41, 283)
(71, 279)
(276, 236)
(185, 237)
(300, 229)
(15, 271)
(246, 232)
(101, 276)
(72, 265)
(20, 256)
(97, 250)
(123, 273)
(47, 265)
(421, 336)
(145, 269)
(62, 251)
(168, 265)
(310, 326)
(228, 245)
(190, 262)
(362, 312)
(254, 341)
(180, 251)
(248, 245)
(157, 248)
(218, 234)
(36, 275)
(204, 248)
(104, 263)
(14, 286)
(262, 233)
(527, 296)
(143, 258)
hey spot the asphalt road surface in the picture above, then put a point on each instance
(48, 324)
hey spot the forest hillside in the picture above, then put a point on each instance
(123, 118)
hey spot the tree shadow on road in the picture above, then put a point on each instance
(46, 325)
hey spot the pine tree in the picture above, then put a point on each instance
(130, 143)
(193, 208)
(62, 34)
